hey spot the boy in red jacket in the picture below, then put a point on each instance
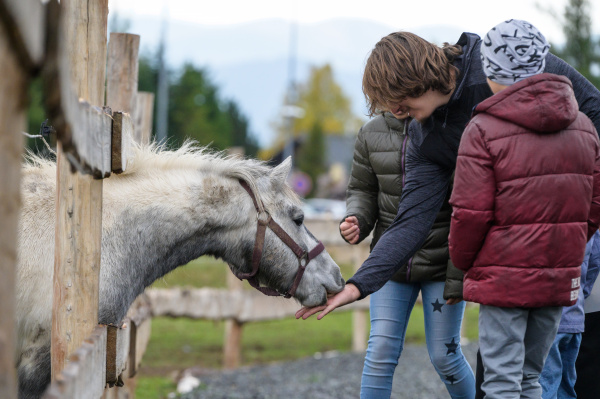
(526, 200)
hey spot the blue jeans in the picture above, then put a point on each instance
(558, 376)
(390, 310)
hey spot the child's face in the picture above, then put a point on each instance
(421, 107)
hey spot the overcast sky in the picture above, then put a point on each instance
(477, 16)
(468, 15)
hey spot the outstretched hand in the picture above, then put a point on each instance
(348, 295)
(350, 230)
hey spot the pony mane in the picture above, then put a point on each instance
(191, 156)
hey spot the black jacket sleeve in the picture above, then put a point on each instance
(587, 95)
(423, 195)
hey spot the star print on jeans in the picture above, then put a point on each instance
(451, 379)
(437, 305)
(452, 346)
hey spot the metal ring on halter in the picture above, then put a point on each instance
(263, 217)
(407, 113)
(303, 260)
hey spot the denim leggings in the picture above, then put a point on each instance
(390, 310)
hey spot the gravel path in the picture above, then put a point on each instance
(329, 376)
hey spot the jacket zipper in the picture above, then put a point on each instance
(403, 161)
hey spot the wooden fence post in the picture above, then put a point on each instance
(122, 74)
(79, 197)
(232, 342)
(13, 90)
(123, 97)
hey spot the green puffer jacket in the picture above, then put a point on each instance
(373, 194)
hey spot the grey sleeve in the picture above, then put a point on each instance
(587, 95)
(422, 198)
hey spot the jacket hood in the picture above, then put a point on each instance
(543, 103)
(467, 41)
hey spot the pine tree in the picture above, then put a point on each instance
(581, 50)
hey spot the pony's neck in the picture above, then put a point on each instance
(143, 243)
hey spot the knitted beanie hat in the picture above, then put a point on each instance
(512, 51)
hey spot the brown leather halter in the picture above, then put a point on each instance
(264, 220)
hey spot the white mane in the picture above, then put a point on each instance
(154, 158)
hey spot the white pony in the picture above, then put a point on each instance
(168, 208)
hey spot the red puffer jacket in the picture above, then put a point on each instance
(526, 196)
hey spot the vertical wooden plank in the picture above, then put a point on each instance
(12, 122)
(359, 317)
(79, 198)
(144, 114)
(232, 345)
(122, 74)
(232, 342)
(84, 376)
(122, 135)
(121, 88)
(85, 41)
(232, 349)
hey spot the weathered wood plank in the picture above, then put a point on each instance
(84, 377)
(79, 198)
(144, 108)
(66, 79)
(142, 331)
(139, 314)
(85, 37)
(221, 304)
(96, 146)
(232, 345)
(122, 132)
(117, 351)
(13, 89)
(76, 260)
(25, 23)
(122, 75)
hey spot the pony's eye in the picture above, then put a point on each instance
(299, 220)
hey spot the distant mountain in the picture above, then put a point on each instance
(250, 62)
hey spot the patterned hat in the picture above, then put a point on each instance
(512, 51)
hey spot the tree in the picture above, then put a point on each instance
(196, 110)
(239, 129)
(581, 50)
(325, 104)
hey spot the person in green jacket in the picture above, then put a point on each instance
(372, 199)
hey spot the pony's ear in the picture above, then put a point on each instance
(280, 173)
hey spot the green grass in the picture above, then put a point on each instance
(203, 272)
(154, 387)
(179, 343)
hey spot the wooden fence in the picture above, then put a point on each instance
(66, 44)
(238, 307)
